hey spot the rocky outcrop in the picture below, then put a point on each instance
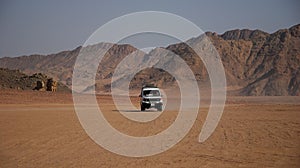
(14, 79)
(51, 85)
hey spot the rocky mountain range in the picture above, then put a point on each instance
(255, 62)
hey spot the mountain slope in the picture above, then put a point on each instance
(272, 64)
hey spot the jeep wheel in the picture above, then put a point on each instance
(159, 108)
(142, 108)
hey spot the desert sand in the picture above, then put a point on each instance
(41, 129)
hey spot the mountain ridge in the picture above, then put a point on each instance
(255, 62)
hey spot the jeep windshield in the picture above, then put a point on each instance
(151, 93)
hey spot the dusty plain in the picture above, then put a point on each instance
(41, 129)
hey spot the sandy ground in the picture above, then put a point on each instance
(41, 129)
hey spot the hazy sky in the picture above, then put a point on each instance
(44, 27)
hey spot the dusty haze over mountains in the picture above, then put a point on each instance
(255, 63)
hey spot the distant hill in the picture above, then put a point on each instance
(255, 62)
(14, 79)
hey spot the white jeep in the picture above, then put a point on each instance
(151, 97)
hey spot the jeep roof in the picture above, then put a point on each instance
(149, 86)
